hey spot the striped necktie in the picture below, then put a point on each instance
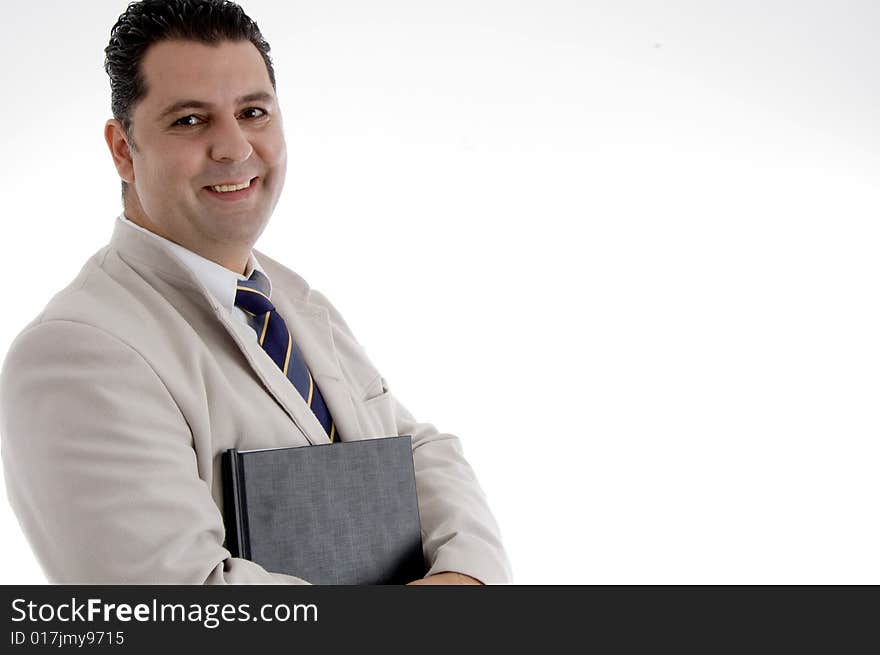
(276, 340)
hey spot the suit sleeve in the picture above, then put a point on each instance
(100, 468)
(459, 531)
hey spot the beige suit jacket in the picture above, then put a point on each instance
(117, 401)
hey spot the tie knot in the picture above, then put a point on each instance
(250, 297)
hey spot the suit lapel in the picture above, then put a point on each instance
(274, 380)
(310, 327)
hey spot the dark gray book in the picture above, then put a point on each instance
(342, 513)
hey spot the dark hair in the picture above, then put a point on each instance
(151, 21)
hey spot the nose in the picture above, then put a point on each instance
(230, 142)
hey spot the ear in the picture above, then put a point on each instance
(114, 135)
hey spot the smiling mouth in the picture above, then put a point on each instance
(231, 187)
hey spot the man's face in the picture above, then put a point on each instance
(229, 139)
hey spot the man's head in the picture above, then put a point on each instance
(194, 106)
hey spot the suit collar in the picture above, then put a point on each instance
(137, 245)
(217, 279)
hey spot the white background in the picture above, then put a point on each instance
(626, 251)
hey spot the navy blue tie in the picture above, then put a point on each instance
(277, 341)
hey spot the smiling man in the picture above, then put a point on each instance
(120, 397)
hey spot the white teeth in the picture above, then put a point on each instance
(223, 188)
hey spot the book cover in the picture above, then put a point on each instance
(339, 513)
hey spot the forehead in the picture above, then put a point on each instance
(216, 74)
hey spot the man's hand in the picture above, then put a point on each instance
(447, 578)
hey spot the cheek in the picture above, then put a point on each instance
(273, 150)
(175, 169)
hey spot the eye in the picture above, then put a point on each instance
(262, 111)
(180, 122)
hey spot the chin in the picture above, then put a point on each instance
(239, 228)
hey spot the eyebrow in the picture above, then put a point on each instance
(259, 96)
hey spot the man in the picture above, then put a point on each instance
(119, 398)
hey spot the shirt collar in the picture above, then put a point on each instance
(218, 280)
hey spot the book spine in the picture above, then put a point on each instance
(237, 538)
